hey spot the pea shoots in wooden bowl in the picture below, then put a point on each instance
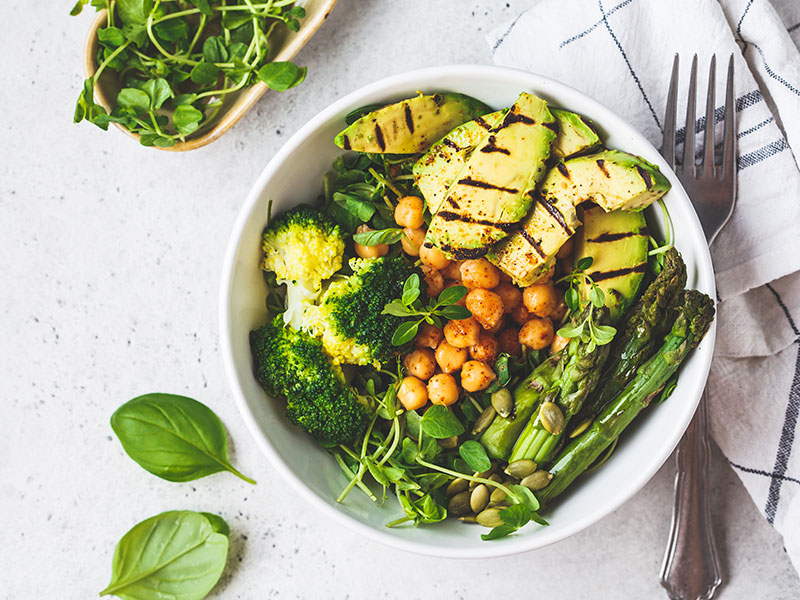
(470, 315)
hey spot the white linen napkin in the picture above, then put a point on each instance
(621, 52)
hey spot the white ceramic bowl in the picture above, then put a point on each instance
(294, 175)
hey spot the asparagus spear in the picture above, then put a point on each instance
(539, 440)
(695, 311)
(501, 434)
(641, 330)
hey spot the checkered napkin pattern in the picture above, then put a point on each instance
(621, 52)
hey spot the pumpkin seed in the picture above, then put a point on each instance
(521, 468)
(495, 477)
(537, 481)
(486, 418)
(487, 472)
(456, 486)
(580, 428)
(479, 498)
(468, 519)
(503, 402)
(459, 504)
(502, 504)
(448, 443)
(489, 517)
(498, 495)
(551, 417)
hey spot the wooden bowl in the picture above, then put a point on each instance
(237, 103)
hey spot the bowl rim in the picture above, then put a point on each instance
(517, 544)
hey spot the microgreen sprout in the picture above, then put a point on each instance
(587, 330)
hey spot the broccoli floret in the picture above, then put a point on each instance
(291, 364)
(302, 247)
(349, 319)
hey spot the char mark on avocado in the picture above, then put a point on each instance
(463, 253)
(603, 275)
(602, 166)
(438, 100)
(453, 203)
(491, 146)
(648, 180)
(612, 237)
(532, 241)
(345, 142)
(556, 214)
(483, 124)
(514, 117)
(552, 125)
(379, 137)
(447, 215)
(409, 118)
(451, 143)
(562, 168)
(487, 186)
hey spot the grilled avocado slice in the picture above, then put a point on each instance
(410, 126)
(617, 243)
(438, 168)
(494, 189)
(575, 134)
(612, 179)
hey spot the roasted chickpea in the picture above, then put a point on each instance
(486, 349)
(453, 270)
(462, 333)
(536, 334)
(412, 240)
(429, 336)
(485, 306)
(420, 363)
(505, 277)
(497, 328)
(463, 301)
(509, 341)
(558, 344)
(433, 257)
(476, 376)
(566, 250)
(434, 281)
(561, 307)
(510, 294)
(539, 299)
(443, 389)
(412, 393)
(479, 273)
(369, 251)
(520, 315)
(449, 358)
(408, 212)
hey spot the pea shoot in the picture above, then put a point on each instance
(587, 330)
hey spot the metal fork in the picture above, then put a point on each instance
(691, 569)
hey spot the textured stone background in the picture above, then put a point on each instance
(110, 256)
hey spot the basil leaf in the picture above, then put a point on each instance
(173, 437)
(280, 76)
(398, 310)
(584, 263)
(516, 515)
(218, 524)
(439, 422)
(570, 332)
(177, 554)
(410, 290)
(603, 334)
(572, 299)
(597, 297)
(474, 454)
(452, 295)
(405, 333)
(525, 496)
(498, 532)
(381, 236)
(454, 311)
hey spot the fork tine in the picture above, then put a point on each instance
(687, 165)
(668, 146)
(728, 169)
(708, 138)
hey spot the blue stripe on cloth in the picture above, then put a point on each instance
(763, 153)
(595, 26)
(755, 127)
(505, 35)
(773, 74)
(784, 444)
(744, 101)
(764, 473)
(628, 62)
(741, 19)
(785, 309)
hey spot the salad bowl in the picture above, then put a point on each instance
(294, 175)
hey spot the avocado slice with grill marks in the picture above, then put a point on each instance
(575, 134)
(612, 179)
(494, 189)
(437, 169)
(410, 126)
(617, 243)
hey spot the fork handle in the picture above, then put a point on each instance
(691, 568)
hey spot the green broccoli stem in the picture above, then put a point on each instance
(584, 363)
(642, 329)
(499, 437)
(695, 312)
